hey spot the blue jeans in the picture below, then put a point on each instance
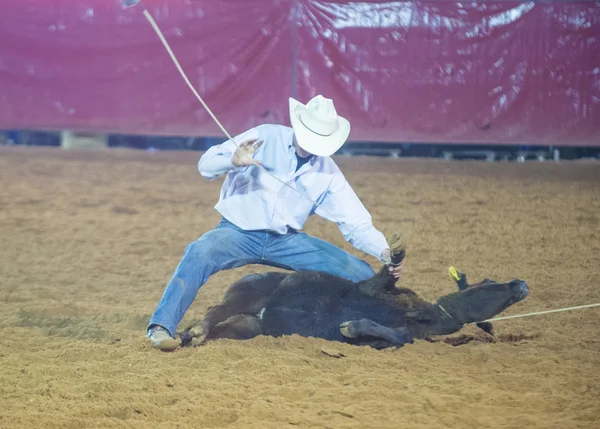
(228, 246)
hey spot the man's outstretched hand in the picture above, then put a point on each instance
(243, 154)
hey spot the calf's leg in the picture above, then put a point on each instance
(247, 297)
(222, 322)
(238, 327)
(366, 327)
(197, 333)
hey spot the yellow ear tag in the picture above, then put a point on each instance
(453, 273)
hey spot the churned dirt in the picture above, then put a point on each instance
(89, 240)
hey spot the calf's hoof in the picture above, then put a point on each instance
(198, 334)
(349, 330)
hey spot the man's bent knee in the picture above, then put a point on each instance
(197, 249)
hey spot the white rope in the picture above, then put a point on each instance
(541, 312)
(168, 48)
(185, 78)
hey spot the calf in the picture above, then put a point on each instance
(373, 312)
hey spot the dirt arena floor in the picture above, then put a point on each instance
(90, 238)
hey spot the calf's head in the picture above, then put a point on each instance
(482, 301)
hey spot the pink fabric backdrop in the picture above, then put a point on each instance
(420, 71)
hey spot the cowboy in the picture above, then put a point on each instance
(262, 217)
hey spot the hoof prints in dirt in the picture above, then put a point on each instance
(503, 338)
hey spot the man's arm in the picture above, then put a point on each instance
(217, 161)
(342, 206)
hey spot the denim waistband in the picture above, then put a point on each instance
(227, 223)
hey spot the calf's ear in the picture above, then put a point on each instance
(486, 327)
(459, 278)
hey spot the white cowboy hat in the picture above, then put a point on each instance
(318, 128)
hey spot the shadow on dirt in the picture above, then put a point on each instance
(461, 340)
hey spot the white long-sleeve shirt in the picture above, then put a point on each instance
(253, 200)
